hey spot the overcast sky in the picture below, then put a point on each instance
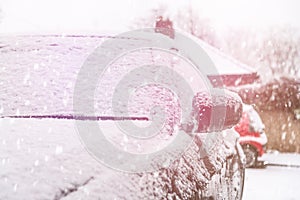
(71, 16)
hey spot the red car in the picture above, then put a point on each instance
(253, 138)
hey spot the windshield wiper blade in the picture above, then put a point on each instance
(78, 117)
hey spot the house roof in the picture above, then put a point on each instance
(225, 64)
(231, 71)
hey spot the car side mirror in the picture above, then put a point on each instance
(213, 112)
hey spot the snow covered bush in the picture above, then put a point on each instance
(276, 102)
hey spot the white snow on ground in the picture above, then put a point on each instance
(274, 183)
(280, 158)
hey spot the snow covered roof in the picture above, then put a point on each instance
(225, 64)
(231, 71)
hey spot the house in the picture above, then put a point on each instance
(231, 72)
(277, 101)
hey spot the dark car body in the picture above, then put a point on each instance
(45, 159)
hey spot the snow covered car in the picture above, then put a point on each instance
(43, 157)
(253, 138)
